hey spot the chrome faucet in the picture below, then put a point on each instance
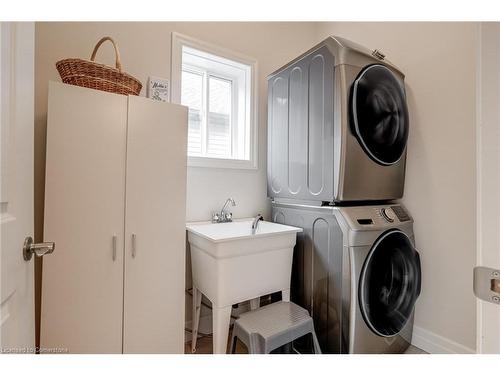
(224, 216)
(255, 223)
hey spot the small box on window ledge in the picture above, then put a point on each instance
(158, 89)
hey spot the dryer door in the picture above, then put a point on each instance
(379, 114)
(389, 283)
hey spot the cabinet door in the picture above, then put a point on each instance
(82, 286)
(155, 227)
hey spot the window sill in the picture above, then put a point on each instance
(206, 162)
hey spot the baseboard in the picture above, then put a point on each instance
(436, 344)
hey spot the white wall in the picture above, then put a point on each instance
(439, 60)
(145, 50)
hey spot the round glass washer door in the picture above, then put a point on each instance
(389, 283)
(379, 114)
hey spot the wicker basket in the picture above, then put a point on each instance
(89, 74)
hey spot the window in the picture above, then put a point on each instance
(217, 86)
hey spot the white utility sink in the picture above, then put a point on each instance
(231, 265)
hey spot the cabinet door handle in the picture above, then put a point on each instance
(133, 245)
(114, 247)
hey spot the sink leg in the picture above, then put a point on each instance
(196, 317)
(221, 321)
(285, 295)
(255, 303)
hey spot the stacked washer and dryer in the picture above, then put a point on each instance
(337, 134)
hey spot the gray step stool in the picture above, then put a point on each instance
(272, 326)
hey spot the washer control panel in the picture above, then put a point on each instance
(400, 213)
(388, 214)
(380, 216)
(394, 214)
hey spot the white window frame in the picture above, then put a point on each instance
(178, 42)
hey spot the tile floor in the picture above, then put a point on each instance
(204, 346)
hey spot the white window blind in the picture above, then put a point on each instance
(217, 91)
(192, 97)
(219, 86)
(219, 117)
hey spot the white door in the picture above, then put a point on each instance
(488, 312)
(155, 227)
(82, 282)
(17, 312)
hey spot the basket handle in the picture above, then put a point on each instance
(118, 63)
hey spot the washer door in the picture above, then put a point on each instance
(379, 114)
(389, 283)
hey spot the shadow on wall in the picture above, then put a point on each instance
(39, 178)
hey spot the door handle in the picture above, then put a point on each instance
(114, 247)
(133, 245)
(40, 249)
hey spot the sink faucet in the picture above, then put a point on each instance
(255, 223)
(224, 216)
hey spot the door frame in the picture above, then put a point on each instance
(480, 197)
(479, 325)
(18, 151)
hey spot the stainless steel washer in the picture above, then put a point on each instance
(358, 273)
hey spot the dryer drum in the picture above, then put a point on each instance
(379, 114)
(389, 283)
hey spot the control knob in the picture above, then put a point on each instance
(388, 214)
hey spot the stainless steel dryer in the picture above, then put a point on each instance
(357, 272)
(337, 126)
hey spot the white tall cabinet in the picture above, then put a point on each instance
(115, 200)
